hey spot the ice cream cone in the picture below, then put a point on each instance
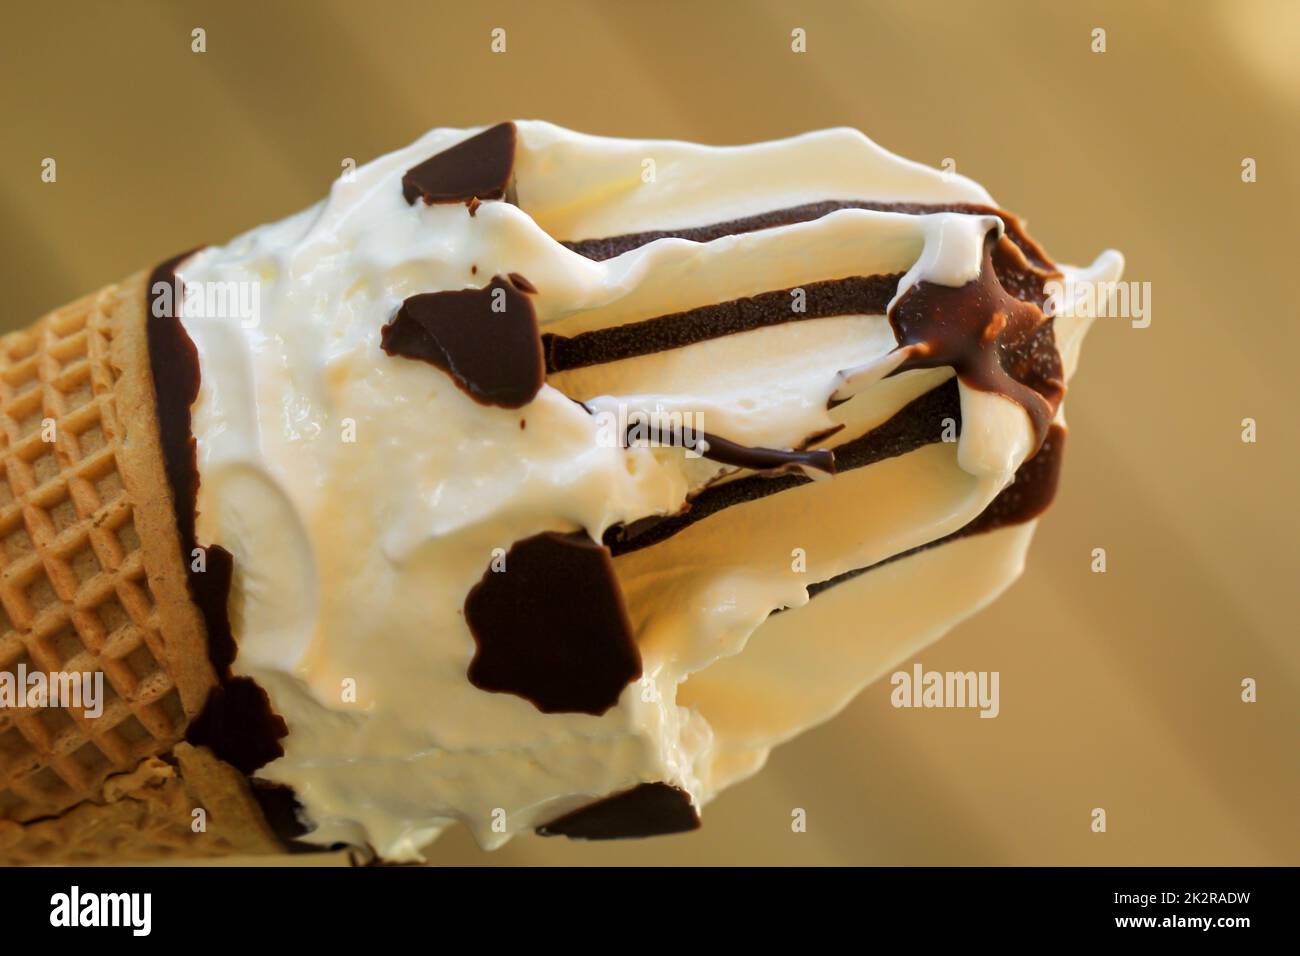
(92, 583)
(493, 568)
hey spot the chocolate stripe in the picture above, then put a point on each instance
(856, 295)
(1020, 275)
(611, 246)
(917, 423)
(1023, 500)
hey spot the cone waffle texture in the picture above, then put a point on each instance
(150, 814)
(92, 582)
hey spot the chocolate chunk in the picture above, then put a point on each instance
(995, 341)
(478, 168)
(649, 809)
(485, 339)
(238, 725)
(284, 815)
(281, 809)
(551, 627)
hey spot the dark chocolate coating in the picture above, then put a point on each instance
(237, 723)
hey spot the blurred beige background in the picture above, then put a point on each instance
(1119, 690)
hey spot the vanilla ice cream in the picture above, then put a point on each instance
(838, 359)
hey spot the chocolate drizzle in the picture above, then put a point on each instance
(237, 723)
(608, 248)
(765, 459)
(732, 453)
(918, 423)
(478, 168)
(648, 809)
(856, 295)
(485, 339)
(995, 341)
(551, 626)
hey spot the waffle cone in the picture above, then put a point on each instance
(92, 582)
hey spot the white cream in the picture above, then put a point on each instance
(363, 495)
